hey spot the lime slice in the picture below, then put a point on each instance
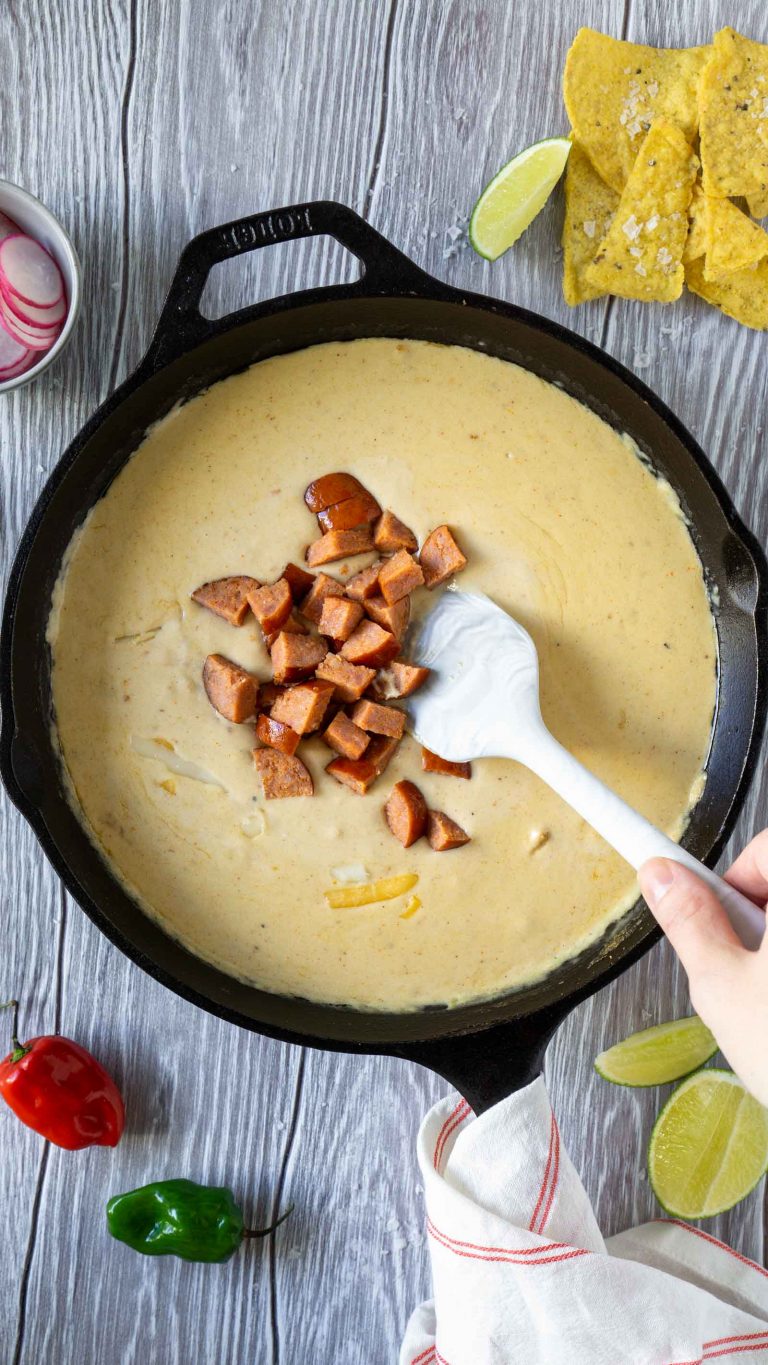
(709, 1147)
(657, 1055)
(511, 201)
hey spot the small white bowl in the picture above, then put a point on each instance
(38, 221)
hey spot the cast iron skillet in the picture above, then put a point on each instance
(486, 1048)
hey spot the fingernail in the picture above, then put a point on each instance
(655, 880)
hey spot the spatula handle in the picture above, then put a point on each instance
(634, 837)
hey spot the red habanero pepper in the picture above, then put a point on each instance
(56, 1087)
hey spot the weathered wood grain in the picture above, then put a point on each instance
(143, 122)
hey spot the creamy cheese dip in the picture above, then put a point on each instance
(564, 527)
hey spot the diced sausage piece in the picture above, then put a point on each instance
(349, 680)
(277, 735)
(407, 678)
(391, 534)
(339, 617)
(380, 720)
(271, 605)
(298, 580)
(269, 693)
(406, 813)
(443, 833)
(296, 656)
(323, 586)
(369, 644)
(399, 575)
(303, 706)
(282, 774)
(346, 737)
(331, 488)
(393, 618)
(344, 516)
(293, 626)
(433, 763)
(440, 557)
(227, 597)
(365, 584)
(338, 545)
(381, 751)
(356, 773)
(232, 691)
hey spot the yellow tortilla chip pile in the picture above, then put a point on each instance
(639, 222)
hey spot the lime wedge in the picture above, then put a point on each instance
(657, 1055)
(709, 1147)
(511, 201)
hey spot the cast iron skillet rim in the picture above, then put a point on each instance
(428, 289)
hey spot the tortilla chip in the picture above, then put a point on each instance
(743, 295)
(758, 204)
(732, 241)
(614, 91)
(695, 243)
(641, 255)
(589, 208)
(733, 117)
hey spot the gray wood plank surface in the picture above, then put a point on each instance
(142, 122)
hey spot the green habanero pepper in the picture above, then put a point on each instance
(181, 1218)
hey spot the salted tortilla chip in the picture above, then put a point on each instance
(732, 241)
(743, 295)
(641, 254)
(695, 242)
(589, 208)
(758, 204)
(733, 117)
(614, 91)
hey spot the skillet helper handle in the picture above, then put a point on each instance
(181, 324)
(634, 837)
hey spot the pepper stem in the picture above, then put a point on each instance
(18, 1049)
(265, 1232)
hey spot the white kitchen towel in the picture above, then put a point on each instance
(522, 1275)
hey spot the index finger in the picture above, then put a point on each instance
(749, 873)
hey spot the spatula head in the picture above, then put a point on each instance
(482, 699)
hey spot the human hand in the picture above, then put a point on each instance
(728, 983)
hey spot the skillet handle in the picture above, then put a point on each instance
(182, 326)
(489, 1066)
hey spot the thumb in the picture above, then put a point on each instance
(690, 914)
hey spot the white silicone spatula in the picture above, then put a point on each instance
(482, 701)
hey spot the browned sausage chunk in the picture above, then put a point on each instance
(269, 693)
(440, 557)
(365, 584)
(406, 813)
(227, 597)
(346, 737)
(407, 678)
(345, 516)
(296, 656)
(391, 534)
(370, 645)
(381, 751)
(339, 545)
(398, 576)
(232, 691)
(277, 735)
(393, 618)
(331, 488)
(443, 833)
(271, 605)
(323, 586)
(282, 774)
(303, 706)
(298, 580)
(293, 626)
(349, 680)
(360, 774)
(380, 720)
(339, 617)
(433, 763)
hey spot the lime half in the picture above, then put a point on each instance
(709, 1147)
(657, 1055)
(511, 201)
